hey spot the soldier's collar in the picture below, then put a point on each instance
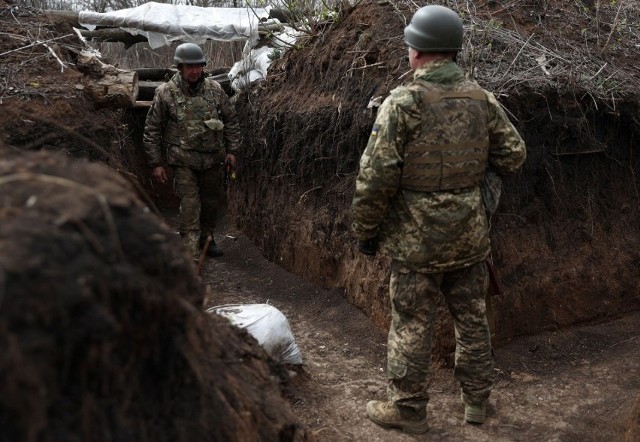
(186, 88)
(440, 71)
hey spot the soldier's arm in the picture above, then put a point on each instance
(231, 133)
(380, 171)
(507, 150)
(152, 138)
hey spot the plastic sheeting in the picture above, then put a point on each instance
(163, 23)
(267, 325)
(253, 67)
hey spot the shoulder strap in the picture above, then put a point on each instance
(434, 94)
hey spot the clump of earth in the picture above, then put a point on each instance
(102, 325)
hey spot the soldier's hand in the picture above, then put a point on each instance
(368, 246)
(160, 174)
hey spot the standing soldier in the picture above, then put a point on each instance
(418, 201)
(193, 128)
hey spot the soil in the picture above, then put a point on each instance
(580, 383)
(572, 208)
(559, 222)
(564, 238)
(101, 324)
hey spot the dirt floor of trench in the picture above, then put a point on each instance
(576, 384)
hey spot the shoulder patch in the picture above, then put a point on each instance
(374, 131)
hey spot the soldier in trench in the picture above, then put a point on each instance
(192, 131)
(418, 201)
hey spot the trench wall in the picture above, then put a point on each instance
(564, 237)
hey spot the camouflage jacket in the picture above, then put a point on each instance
(431, 231)
(189, 127)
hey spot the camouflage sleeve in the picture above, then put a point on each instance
(507, 150)
(380, 169)
(153, 127)
(229, 116)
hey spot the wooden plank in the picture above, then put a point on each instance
(142, 104)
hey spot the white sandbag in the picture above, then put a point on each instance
(263, 61)
(267, 325)
(286, 39)
(244, 81)
(256, 62)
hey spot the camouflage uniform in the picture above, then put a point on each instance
(192, 129)
(418, 193)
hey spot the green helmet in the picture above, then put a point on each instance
(434, 28)
(189, 53)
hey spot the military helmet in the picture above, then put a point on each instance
(434, 28)
(188, 53)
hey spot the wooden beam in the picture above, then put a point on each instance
(147, 88)
(113, 35)
(155, 74)
(142, 104)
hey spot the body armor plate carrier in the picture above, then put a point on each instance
(198, 126)
(451, 150)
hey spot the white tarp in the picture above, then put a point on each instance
(163, 23)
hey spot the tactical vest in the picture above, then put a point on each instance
(451, 148)
(198, 126)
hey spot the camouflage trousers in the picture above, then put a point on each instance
(202, 198)
(413, 303)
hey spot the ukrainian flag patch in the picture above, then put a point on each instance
(374, 131)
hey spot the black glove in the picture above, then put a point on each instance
(368, 246)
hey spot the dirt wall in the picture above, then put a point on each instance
(567, 227)
(563, 235)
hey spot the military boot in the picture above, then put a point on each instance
(190, 241)
(387, 414)
(474, 412)
(214, 250)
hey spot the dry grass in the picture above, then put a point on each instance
(512, 45)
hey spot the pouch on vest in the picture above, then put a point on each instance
(198, 127)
